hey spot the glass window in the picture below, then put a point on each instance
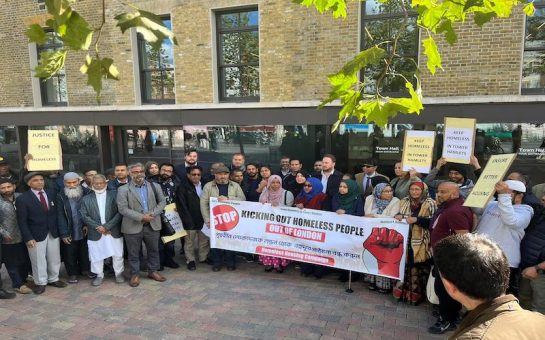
(238, 55)
(53, 90)
(9, 149)
(381, 23)
(157, 70)
(533, 61)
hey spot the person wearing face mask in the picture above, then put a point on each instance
(99, 212)
(141, 204)
(504, 221)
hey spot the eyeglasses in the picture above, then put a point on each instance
(368, 166)
(308, 185)
(194, 174)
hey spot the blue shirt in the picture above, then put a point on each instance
(143, 191)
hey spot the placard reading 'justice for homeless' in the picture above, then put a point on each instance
(45, 148)
(459, 139)
(418, 150)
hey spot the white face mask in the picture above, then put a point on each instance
(99, 191)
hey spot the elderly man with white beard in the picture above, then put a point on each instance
(72, 230)
(99, 212)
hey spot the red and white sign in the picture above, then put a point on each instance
(370, 245)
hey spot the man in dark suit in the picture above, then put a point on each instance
(141, 204)
(330, 178)
(188, 203)
(37, 217)
(369, 177)
(100, 215)
(190, 159)
(121, 172)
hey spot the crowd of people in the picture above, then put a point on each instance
(93, 222)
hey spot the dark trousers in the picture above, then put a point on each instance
(448, 307)
(166, 252)
(514, 280)
(134, 244)
(15, 257)
(218, 256)
(76, 257)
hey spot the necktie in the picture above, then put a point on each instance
(367, 183)
(43, 201)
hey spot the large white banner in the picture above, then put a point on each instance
(369, 245)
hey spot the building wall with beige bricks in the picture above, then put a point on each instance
(298, 48)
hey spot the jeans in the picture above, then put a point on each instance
(218, 256)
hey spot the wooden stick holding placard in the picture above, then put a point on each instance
(494, 172)
(459, 139)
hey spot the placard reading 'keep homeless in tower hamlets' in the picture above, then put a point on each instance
(493, 172)
(459, 139)
(418, 150)
(45, 148)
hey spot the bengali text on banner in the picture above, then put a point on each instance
(369, 245)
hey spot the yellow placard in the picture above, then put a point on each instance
(418, 150)
(45, 148)
(171, 214)
(176, 236)
(459, 139)
(494, 172)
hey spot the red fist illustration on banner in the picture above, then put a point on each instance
(386, 245)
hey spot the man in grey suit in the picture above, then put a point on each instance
(99, 213)
(141, 203)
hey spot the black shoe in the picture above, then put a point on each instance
(231, 268)
(441, 326)
(268, 268)
(172, 264)
(38, 289)
(249, 258)
(191, 265)
(279, 270)
(57, 284)
(216, 269)
(208, 262)
(5, 295)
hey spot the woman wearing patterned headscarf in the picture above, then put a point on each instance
(381, 203)
(417, 209)
(276, 196)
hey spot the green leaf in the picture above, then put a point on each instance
(337, 7)
(148, 24)
(36, 33)
(369, 56)
(432, 54)
(76, 31)
(50, 63)
(446, 28)
(529, 9)
(482, 18)
(98, 69)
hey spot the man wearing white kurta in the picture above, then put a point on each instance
(99, 212)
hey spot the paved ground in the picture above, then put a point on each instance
(246, 303)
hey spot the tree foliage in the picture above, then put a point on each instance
(78, 35)
(435, 17)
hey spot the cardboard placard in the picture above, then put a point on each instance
(494, 172)
(459, 139)
(45, 148)
(418, 150)
(171, 214)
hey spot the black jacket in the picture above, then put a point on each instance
(532, 246)
(189, 206)
(332, 186)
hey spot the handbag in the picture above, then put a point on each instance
(430, 290)
(166, 227)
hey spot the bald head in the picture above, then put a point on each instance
(447, 191)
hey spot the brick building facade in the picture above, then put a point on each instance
(297, 48)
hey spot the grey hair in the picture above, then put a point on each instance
(99, 176)
(135, 165)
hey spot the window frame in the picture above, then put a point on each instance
(539, 4)
(142, 71)
(385, 17)
(220, 76)
(55, 46)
